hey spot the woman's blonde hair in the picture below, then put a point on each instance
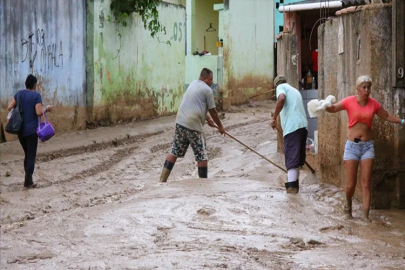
(362, 79)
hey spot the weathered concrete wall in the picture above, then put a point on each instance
(287, 65)
(330, 126)
(248, 49)
(135, 76)
(365, 39)
(287, 58)
(47, 39)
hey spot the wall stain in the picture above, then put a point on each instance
(109, 76)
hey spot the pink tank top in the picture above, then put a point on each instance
(359, 114)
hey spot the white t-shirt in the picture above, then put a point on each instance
(292, 115)
(197, 100)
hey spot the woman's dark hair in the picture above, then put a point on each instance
(30, 82)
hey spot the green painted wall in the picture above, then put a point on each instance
(248, 49)
(135, 75)
(196, 63)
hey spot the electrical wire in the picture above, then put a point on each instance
(322, 16)
(310, 36)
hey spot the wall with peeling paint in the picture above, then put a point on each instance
(365, 39)
(47, 39)
(248, 49)
(135, 75)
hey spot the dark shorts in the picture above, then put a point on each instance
(294, 148)
(184, 137)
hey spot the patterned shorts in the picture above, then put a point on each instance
(184, 137)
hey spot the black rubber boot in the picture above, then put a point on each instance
(203, 172)
(167, 169)
(29, 183)
(292, 187)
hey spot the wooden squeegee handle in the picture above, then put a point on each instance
(254, 151)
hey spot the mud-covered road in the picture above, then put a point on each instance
(100, 205)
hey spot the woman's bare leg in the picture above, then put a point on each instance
(351, 178)
(366, 166)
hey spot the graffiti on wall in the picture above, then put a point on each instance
(35, 49)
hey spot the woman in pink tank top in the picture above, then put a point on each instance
(359, 148)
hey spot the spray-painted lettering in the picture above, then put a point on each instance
(50, 55)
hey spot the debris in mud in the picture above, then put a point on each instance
(299, 242)
(8, 173)
(233, 109)
(331, 228)
(31, 258)
(206, 211)
(114, 142)
(28, 216)
(314, 243)
(214, 152)
(160, 147)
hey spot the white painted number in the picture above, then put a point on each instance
(400, 73)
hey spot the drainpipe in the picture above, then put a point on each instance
(311, 6)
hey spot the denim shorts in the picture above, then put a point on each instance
(184, 137)
(359, 151)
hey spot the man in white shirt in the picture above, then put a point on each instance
(190, 119)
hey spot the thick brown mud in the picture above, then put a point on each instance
(100, 205)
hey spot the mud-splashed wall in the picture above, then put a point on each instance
(349, 46)
(132, 74)
(47, 39)
(248, 49)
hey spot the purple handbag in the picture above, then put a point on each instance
(45, 130)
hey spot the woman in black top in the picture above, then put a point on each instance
(31, 105)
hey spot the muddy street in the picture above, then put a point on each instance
(99, 205)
